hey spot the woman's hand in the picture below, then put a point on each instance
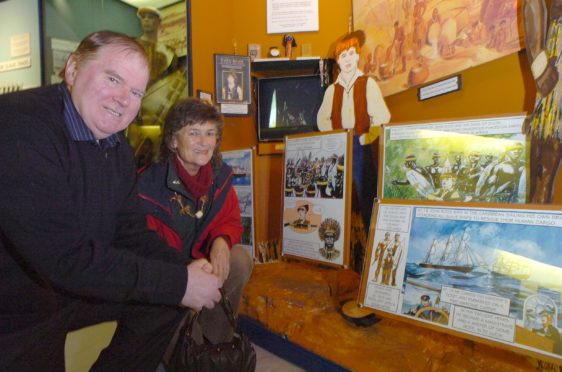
(220, 258)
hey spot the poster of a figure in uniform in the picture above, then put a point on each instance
(165, 38)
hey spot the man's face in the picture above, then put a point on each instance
(348, 60)
(329, 240)
(149, 21)
(514, 153)
(108, 88)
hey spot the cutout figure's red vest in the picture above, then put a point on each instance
(362, 120)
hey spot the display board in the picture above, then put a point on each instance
(479, 160)
(316, 203)
(488, 272)
(242, 164)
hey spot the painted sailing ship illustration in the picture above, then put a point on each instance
(457, 257)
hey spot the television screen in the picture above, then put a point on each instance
(288, 105)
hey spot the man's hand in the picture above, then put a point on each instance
(202, 286)
(220, 258)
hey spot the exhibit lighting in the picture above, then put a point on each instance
(273, 111)
(481, 143)
(527, 270)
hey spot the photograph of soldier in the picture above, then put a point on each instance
(167, 83)
(302, 218)
(318, 177)
(329, 232)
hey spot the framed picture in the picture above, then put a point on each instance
(205, 96)
(242, 164)
(317, 197)
(477, 159)
(487, 272)
(232, 83)
(254, 51)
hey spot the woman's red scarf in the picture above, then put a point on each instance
(197, 185)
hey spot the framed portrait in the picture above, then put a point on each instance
(232, 83)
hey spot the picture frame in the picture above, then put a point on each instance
(203, 95)
(456, 160)
(317, 197)
(484, 272)
(233, 83)
(254, 51)
(243, 171)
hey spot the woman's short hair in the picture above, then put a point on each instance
(188, 112)
(91, 44)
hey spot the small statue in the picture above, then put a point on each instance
(289, 42)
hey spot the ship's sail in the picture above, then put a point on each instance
(453, 256)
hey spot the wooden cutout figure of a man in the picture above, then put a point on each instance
(544, 44)
(354, 101)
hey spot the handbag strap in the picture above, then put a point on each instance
(227, 307)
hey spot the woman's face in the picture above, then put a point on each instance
(195, 145)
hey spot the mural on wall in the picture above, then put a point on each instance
(165, 39)
(412, 42)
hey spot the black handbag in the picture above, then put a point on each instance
(237, 355)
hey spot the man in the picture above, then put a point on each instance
(500, 181)
(355, 102)
(379, 254)
(74, 248)
(417, 177)
(161, 59)
(301, 222)
(167, 82)
(435, 170)
(397, 250)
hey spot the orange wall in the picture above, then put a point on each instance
(499, 87)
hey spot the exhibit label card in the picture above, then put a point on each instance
(488, 272)
(291, 16)
(315, 195)
(479, 160)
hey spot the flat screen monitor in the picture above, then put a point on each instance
(287, 105)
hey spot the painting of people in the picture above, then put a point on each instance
(413, 42)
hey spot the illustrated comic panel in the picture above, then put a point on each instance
(488, 272)
(412, 42)
(315, 196)
(478, 160)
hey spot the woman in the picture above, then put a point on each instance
(189, 201)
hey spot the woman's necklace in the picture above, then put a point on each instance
(185, 210)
